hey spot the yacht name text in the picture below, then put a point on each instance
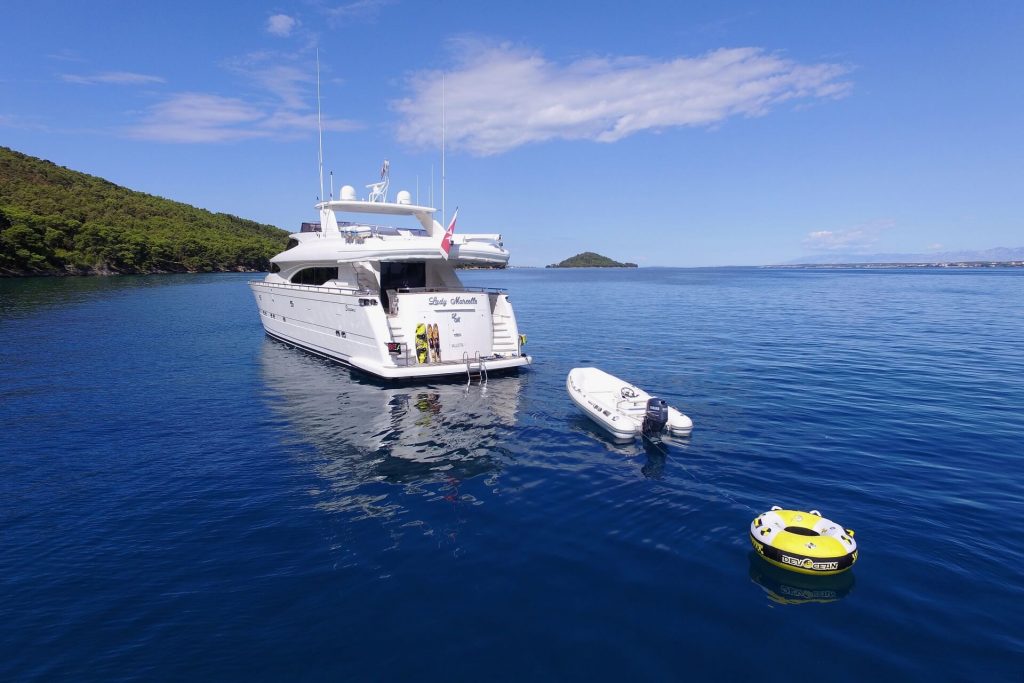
(455, 301)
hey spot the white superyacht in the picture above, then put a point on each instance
(387, 299)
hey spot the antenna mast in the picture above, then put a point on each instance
(444, 215)
(320, 129)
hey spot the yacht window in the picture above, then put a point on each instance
(314, 276)
(274, 268)
(292, 243)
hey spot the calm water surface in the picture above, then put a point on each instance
(182, 497)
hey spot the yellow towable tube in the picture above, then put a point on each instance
(803, 542)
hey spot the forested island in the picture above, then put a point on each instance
(55, 221)
(589, 259)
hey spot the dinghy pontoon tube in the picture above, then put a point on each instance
(622, 409)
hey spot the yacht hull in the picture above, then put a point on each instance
(476, 335)
(448, 369)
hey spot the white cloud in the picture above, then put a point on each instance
(281, 25)
(204, 118)
(500, 97)
(359, 10)
(198, 117)
(20, 122)
(280, 103)
(858, 238)
(287, 121)
(113, 78)
(65, 55)
(291, 85)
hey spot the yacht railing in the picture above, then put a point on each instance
(393, 294)
(350, 228)
(329, 289)
(363, 290)
(460, 290)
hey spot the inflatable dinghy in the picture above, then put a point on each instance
(621, 408)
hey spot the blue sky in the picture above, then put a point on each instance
(665, 133)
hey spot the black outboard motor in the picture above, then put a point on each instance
(655, 417)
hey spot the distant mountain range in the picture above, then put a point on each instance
(996, 254)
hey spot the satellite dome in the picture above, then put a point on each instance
(404, 197)
(348, 193)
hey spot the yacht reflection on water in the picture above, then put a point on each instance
(789, 588)
(365, 432)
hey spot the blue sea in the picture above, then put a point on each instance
(183, 498)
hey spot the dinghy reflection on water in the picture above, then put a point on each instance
(655, 451)
(364, 432)
(622, 409)
(789, 588)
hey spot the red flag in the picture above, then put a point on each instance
(446, 241)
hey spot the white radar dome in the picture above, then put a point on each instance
(348, 193)
(404, 197)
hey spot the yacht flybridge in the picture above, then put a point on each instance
(387, 299)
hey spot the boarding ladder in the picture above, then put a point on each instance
(398, 336)
(475, 367)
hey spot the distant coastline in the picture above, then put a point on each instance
(936, 264)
